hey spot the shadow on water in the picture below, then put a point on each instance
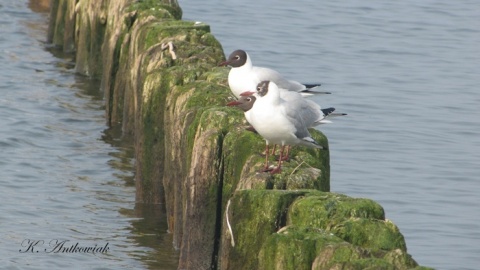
(148, 223)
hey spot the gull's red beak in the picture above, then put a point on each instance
(234, 103)
(247, 93)
(225, 63)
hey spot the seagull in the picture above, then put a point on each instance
(278, 121)
(244, 76)
(310, 112)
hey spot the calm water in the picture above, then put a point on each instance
(64, 176)
(408, 74)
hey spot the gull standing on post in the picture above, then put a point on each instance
(245, 77)
(310, 112)
(277, 121)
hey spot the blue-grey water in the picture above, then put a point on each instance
(408, 75)
(63, 175)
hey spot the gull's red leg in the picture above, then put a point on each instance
(279, 167)
(266, 168)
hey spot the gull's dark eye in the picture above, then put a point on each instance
(237, 57)
(249, 99)
(259, 88)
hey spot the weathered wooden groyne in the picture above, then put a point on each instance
(193, 154)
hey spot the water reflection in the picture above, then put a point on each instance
(40, 6)
(149, 230)
(95, 167)
(148, 221)
(148, 225)
(122, 160)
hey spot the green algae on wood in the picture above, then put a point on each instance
(294, 248)
(254, 215)
(374, 234)
(312, 248)
(181, 113)
(61, 29)
(177, 72)
(150, 142)
(201, 200)
(158, 8)
(240, 146)
(91, 24)
(323, 210)
(357, 221)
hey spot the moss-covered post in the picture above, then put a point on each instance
(61, 30)
(114, 81)
(91, 20)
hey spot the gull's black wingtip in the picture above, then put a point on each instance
(312, 92)
(312, 85)
(328, 111)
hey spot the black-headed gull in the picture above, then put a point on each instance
(245, 77)
(311, 113)
(276, 120)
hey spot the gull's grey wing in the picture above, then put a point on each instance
(267, 74)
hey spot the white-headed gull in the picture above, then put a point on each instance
(245, 77)
(276, 120)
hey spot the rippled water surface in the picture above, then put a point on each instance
(63, 175)
(408, 75)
